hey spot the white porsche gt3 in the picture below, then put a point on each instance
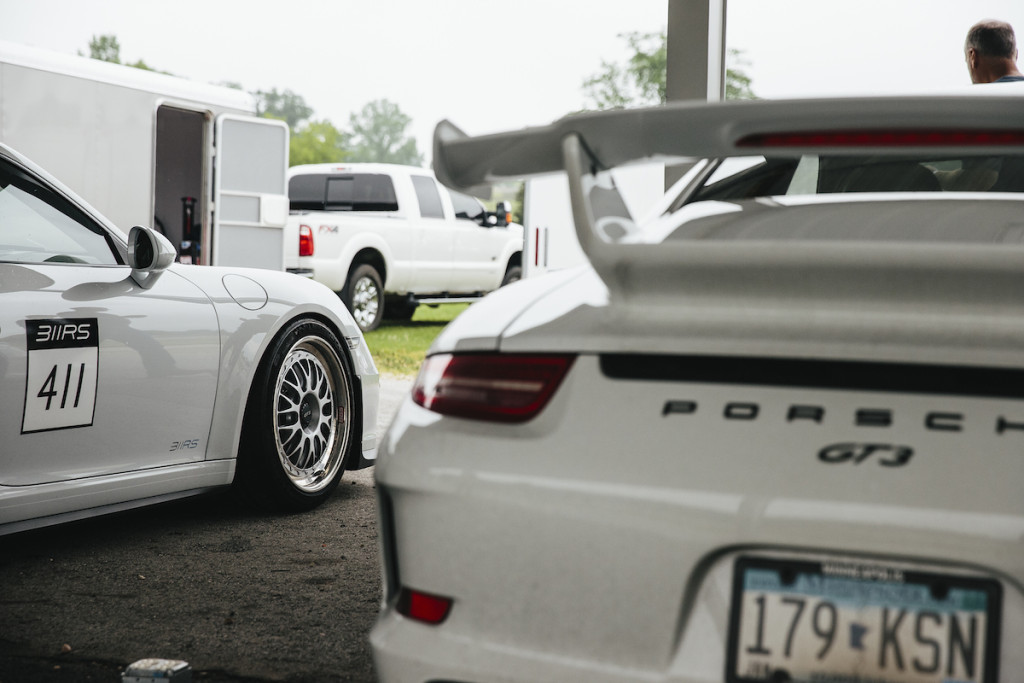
(129, 379)
(776, 433)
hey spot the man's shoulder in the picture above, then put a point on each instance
(1008, 79)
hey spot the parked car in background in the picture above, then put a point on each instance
(129, 379)
(773, 434)
(387, 238)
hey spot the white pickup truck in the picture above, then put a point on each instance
(387, 238)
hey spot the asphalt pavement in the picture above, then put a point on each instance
(240, 595)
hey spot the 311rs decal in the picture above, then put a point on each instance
(63, 364)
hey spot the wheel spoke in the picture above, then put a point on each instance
(311, 414)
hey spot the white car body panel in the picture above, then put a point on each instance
(293, 297)
(142, 343)
(781, 378)
(176, 358)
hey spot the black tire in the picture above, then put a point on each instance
(513, 274)
(300, 429)
(400, 308)
(364, 296)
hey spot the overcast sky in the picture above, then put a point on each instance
(491, 66)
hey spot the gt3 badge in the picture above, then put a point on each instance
(63, 366)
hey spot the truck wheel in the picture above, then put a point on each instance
(299, 430)
(513, 274)
(364, 297)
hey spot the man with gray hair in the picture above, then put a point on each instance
(991, 53)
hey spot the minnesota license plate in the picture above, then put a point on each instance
(841, 622)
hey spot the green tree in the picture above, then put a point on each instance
(107, 48)
(641, 80)
(737, 82)
(286, 106)
(317, 142)
(379, 134)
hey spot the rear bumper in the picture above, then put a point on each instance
(598, 541)
(407, 652)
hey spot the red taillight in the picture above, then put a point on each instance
(430, 609)
(305, 240)
(886, 138)
(493, 387)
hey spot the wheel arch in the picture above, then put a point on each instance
(241, 368)
(353, 459)
(369, 256)
(264, 357)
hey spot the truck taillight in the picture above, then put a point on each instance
(305, 240)
(492, 387)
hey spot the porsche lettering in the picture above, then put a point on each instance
(936, 421)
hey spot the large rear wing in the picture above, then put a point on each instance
(587, 145)
(695, 130)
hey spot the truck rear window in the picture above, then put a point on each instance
(342, 192)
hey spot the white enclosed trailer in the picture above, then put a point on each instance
(190, 159)
(550, 242)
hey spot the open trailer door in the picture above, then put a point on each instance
(250, 192)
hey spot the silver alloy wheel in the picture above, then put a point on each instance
(365, 301)
(312, 414)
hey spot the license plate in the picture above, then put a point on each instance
(841, 622)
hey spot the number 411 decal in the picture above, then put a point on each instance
(63, 366)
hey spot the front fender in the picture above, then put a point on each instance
(247, 335)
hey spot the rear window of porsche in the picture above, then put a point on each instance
(752, 177)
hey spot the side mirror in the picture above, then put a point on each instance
(501, 217)
(149, 254)
(503, 213)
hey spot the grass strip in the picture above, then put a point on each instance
(398, 347)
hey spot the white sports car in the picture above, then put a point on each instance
(776, 433)
(129, 379)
